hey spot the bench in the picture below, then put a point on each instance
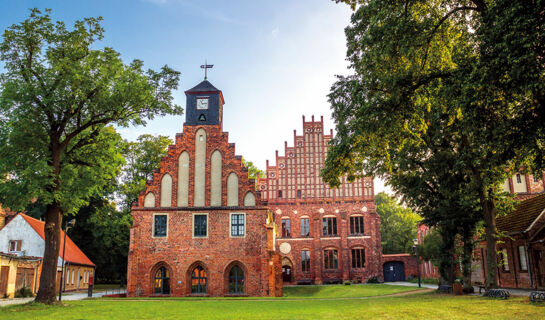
(445, 288)
(537, 296)
(332, 281)
(498, 293)
(304, 282)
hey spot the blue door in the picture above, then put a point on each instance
(394, 271)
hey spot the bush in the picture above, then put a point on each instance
(347, 283)
(23, 293)
(373, 280)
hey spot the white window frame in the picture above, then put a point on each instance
(525, 260)
(505, 261)
(231, 224)
(193, 225)
(153, 225)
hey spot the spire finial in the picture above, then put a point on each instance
(206, 66)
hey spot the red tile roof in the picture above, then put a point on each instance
(522, 217)
(73, 253)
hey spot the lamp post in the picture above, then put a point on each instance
(415, 249)
(68, 225)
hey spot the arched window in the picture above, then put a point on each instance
(162, 283)
(198, 280)
(236, 280)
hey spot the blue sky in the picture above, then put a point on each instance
(274, 60)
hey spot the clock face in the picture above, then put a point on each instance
(202, 103)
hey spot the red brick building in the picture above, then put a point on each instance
(200, 227)
(326, 234)
(521, 259)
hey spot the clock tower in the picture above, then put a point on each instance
(204, 105)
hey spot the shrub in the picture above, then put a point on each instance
(347, 283)
(373, 280)
(23, 293)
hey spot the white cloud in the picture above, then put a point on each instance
(274, 32)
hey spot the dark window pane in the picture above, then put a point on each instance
(286, 228)
(160, 226)
(200, 225)
(305, 227)
(237, 225)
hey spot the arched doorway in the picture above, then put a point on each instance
(236, 280)
(162, 281)
(287, 274)
(198, 280)
(394, 271)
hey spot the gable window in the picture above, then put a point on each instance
(305, 261)
(331, 259)
(160, 225)
(358, 258)
(237, 225)
(15, 245)
(356, 225)
(279, 193)
(305, 227)
(286, 228)
(298, 193)
(329, 226)
(522, 259)
(200, 225)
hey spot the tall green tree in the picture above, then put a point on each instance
(398, 224)
(427, 86)
(253, 170)
(59, 96)
(142, 157)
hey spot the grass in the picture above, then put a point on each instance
(420, 305)
(343, 291)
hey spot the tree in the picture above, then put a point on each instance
(59, 96)
(427, 103)
(398, 224)
(142, 157)
(253, 170)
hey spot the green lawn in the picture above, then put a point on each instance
(420, 305)
(342, 291)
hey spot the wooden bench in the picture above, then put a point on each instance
(333, 281)
(304, 282)
(445, 288)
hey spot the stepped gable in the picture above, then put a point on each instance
(216, 140)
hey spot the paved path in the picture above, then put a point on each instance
(513, 292)
(410, 284)
(67, 297)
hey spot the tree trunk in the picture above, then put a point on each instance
(467, 258)
(48, 278)
(52, 230)
(489, 215)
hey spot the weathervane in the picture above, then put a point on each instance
(206, 67)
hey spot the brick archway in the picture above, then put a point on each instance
(198, 277)
(164, 280)
(226, 272)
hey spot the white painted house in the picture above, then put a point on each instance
(24, 236)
